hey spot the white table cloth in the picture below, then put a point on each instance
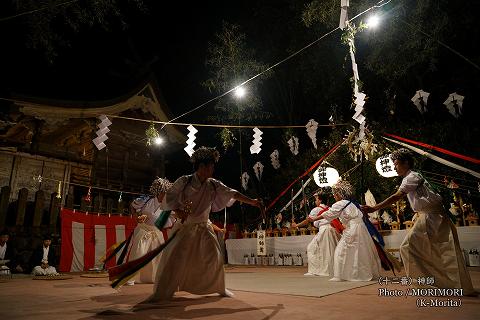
(236, 248)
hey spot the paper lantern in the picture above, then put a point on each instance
(385, 167)
(326, 177)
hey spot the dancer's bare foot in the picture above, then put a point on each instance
(227, 293)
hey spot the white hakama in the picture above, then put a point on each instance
(431, 248)
(49, 271)
(147, 237)
(321, 250)
(356, 257)
(193, 261)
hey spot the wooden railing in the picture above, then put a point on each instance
(43, 212)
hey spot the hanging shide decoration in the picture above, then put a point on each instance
(258, 169)
(359, 141)
(312, 126)
(454, 104)
(120, 197)
(152, 134)
(348, 38)
(191, 138)
(387, 218)
(99, 141)
(420, 100)
(274, 157)
(384, 166)
(257, 137)
(88, 197)
(370, 201)
(245, 178)
(59, 190)
(293, 144)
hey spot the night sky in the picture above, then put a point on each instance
(169, 40)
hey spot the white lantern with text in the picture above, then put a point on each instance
(326, 177)
(385, 167)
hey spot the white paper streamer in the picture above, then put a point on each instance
(99, 141)
(275, 159)
(312, 126)
(245, 178)
(454, 104)
(293, 144)
(191, 138)
(370, 201)
(420, 100)
(257, 137)
(386, 217)
(258, 169)
(344, 4)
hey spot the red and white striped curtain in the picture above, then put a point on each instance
(86, 238)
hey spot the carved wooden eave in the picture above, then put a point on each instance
(145, 100)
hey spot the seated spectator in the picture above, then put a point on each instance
(7, 253)
(43, 259)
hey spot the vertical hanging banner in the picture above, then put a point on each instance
(261, 245)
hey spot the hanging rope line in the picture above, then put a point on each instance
(451, 177)
(440, 43)
(377, 5)
(222, 125)
(37, 10)
(87, 186)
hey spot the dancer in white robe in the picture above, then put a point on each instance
(192, 261)
(146, 235)
(356, 258)
(431, 248)
(321, 250)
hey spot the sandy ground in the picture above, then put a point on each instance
(92, 298)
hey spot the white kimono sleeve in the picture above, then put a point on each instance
(335, 211)
(410, 183)
(321, 222)
(223, 196)
(174, 197)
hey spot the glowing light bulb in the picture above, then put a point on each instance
(158, 141)
(240, 92)
(373, 21)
